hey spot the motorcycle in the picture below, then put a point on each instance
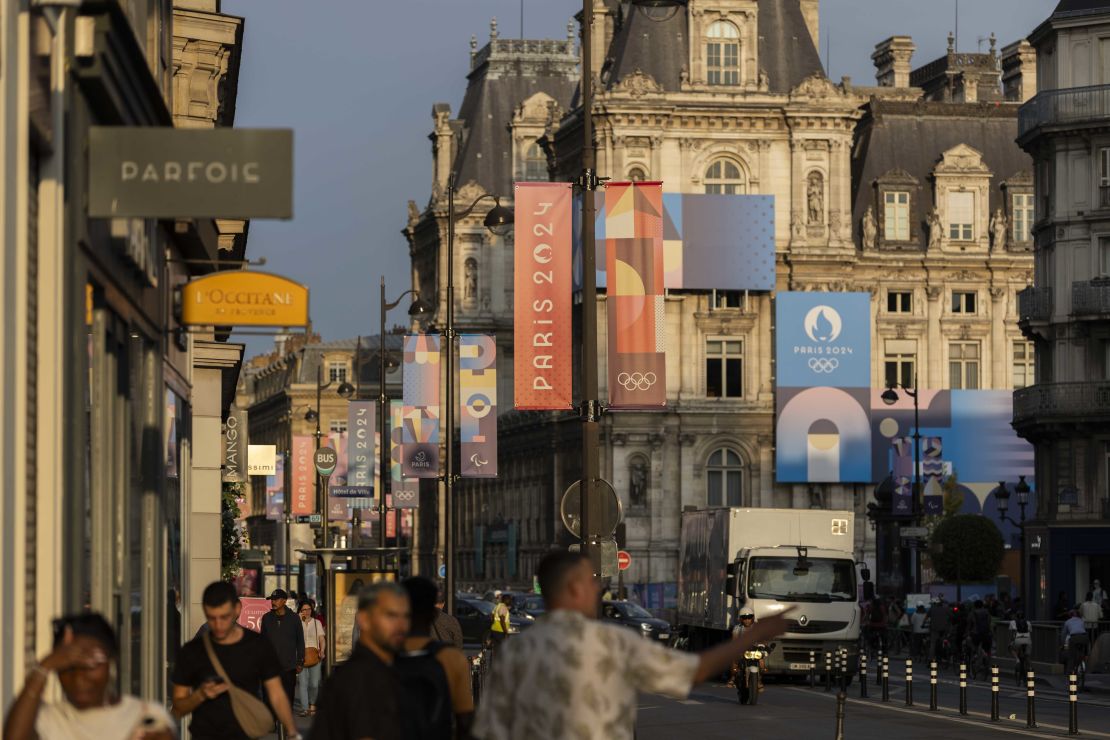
(749, 679)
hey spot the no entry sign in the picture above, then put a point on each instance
(624, 560)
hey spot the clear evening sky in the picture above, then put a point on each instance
(356, 80)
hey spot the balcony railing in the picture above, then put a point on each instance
(1065, 106)
(1090, 298)
(1077, 401)
(1035, 304)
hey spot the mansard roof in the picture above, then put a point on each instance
(911, 137)
(661, 48)
(504, 74)
(1081, 6)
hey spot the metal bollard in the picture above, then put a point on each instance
(994, 693)
(1073, 705)
(879, 668)
(841, 700)
(828, 671)
(933, 685)
(812, 667)
(863, 675)
(1030, 701)
(963, 688)
(886, 678)
(909, 682)
(843, 669)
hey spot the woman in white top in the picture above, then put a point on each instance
(84, 658)
(308, 680)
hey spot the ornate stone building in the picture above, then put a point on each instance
(729, 96)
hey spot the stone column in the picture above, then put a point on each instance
(931, 356)
(999, 355)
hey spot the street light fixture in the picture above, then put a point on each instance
(1002, 501)
(890, 397)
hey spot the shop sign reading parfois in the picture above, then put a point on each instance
(239, 298)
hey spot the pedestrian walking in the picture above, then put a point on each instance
(220, 673)
(84, 659)
(499, 629)
(939, 621)
(284, 631)
(1097, 594)
(446, 628)
(918, 630)
(361, 697)
(1090, 611)
(315, 651)
(570, 675)
(434, 675)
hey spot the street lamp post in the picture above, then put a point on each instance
(890, 397)
(418, 308)
(314, 415)
(346, 390)
(1002, 499)
(499, 221)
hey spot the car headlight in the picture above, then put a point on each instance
(646, 627)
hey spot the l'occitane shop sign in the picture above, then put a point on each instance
(244, 299)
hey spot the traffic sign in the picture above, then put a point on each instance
(309, 519)
(570, 508)
(624, 560)
(913, 531)
(442, 571)
(915, 543)
(326, 459)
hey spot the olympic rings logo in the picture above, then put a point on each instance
(823, 364)
(637, 381)
(400, 496)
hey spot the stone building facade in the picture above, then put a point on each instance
(729, 96)
(1066, 312)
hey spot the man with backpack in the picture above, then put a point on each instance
(434, 676)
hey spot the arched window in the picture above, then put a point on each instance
(724, 478)
(722, 54)
(637, 174)
(724, 177)
(535, 164)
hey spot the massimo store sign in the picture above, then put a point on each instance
(165, 172)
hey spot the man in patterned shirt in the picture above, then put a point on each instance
(571, 676)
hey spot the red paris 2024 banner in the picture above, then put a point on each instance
(542, 281)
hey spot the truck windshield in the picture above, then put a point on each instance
(828, 579)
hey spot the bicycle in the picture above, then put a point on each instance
(1021, 668)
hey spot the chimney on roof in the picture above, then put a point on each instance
(1019, 71)
(892, 61)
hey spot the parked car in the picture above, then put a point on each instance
(635, 617)
(475, 618)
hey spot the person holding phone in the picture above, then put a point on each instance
(84, 656)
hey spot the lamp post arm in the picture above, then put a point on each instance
(456, 215)
(396, 303)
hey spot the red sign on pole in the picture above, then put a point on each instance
(624, 560)
(542, 296)
(253, 611)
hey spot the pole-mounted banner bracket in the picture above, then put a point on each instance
(589, 180)
(591, 410)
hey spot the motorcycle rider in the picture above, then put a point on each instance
(744, 622)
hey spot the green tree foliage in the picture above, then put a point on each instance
(966, 548)
(953, 496)
(231, 540)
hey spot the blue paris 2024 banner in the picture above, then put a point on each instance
(823, 379)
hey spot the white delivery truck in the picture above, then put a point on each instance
(769, 560)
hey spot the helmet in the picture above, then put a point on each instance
(747, 612)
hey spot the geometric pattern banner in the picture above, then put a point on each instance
(932, 474)
(478, 406)
(542, 376)
(405, 494)
(420, 416)
(902, 472)
(275, 491)
(634, 301)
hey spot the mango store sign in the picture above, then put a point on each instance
(241, 298)
(164, 172)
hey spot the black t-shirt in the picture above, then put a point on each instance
(359, 699)
(248, 663)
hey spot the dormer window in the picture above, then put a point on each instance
(535, 164)
(961, 216)
(722, 54)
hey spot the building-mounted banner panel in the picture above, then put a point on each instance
(542, 377)
(823, 388)
(635, 304)
(165, 172)
(420, 390)
(260, 459)
(478, 406)
(275, 491)
(242, 298)
(361, 430)
(405, 493)
(303, 476)
(710, 242)
(235, 446)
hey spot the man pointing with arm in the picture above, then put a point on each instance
(586, 688)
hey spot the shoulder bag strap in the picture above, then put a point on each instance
(215, 661)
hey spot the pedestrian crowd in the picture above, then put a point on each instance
(570, 675)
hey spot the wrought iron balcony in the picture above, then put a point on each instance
(1072, 105)
(1075, 402)
(1090, 298)
(1034, 304)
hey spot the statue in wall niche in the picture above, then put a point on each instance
(470, 281)
(637, 482)
(815, 198)
(870, 228)
(764, 81)
(999, 227)
(936, 229)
